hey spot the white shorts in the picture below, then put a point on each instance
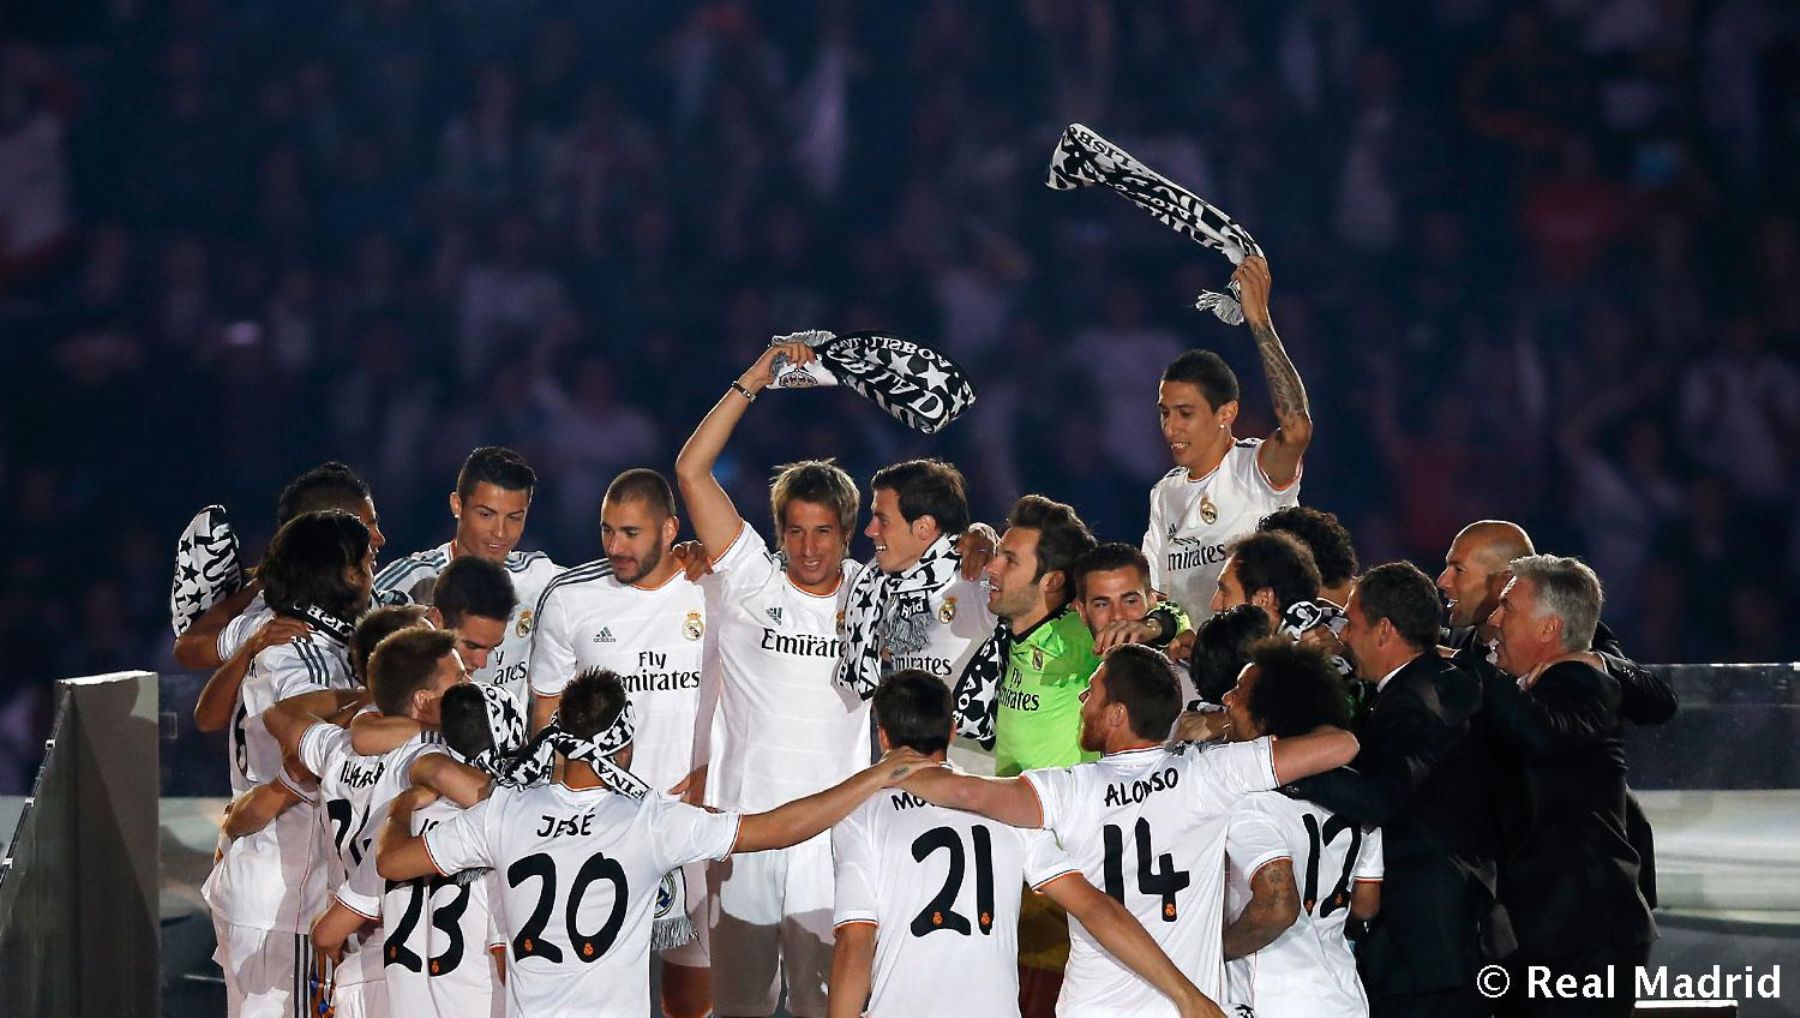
(773, 919)
(694, 953)
(360, 1000)
(265, 971)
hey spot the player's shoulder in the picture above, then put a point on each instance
(586, 578)
(319, 656)
(531, 563)
(420, 563)
(1175, 477)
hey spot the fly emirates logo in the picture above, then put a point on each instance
(654, 675)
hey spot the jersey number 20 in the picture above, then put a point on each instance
(531, 941)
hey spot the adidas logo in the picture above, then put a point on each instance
(604, 636)
(774, 615)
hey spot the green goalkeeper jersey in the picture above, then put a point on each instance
(1037, 721)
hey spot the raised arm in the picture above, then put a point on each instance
(794, 822)
(1315, 752)
(374, 734)
(1125, 939)
(716, 520)
(1274, 905)
(1008, 800)
(218, 698)
(199, 646)
(1280, 455)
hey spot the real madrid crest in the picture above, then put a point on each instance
(948, 611)
(1037, 659)
(840, 622)
(524, 626)
(693, 627)
(1209, 513)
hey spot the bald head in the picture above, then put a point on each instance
(1475, 568)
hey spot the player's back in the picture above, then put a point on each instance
(1309, 969)
(1148, 827)
(579, 872)
(943, 889)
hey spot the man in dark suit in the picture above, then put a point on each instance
(1426, 780)
(1569, 875)
(1475, 572)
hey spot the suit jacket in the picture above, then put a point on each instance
(1424, 776)
(1645, 698)
(1568, 871)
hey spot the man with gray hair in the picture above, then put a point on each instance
(1568, 874)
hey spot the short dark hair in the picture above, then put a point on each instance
(473, 586)
(1206, 371)
(1062, 537)
(1222, 646)
(928, 487)
(462, 717)
(820, 482)
(404, 663)
(913, 707)
(1275, 561)
(1401, 593)
(329, 485)
(1322, 533)
(1105, 557)
(307, 561)
(1296, 689)
(498, 466)
(1145, 682)
(591, 702)
(377, 625)
(642, 483)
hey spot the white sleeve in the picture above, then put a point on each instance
(1369, 862)
(683, 834)
(1252, 840)
(318, 744)
(1055, 788)
(1153, 539)
(461, 842)
(361, 891)
(552, 657)
(1239, 768)
(237, 632)
(1250, 473)
(1045, 859)
(496, 928)
(854, 866)
(746, 565)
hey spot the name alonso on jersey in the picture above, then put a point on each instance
(1121, 793)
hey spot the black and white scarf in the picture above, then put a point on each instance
(506, 725)
(914, 384)
(208, 566)
(979, 685)
(1084, 159)
(339, 629)
(1301, 616)
(671, 927)
(889, 614)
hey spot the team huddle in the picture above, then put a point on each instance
(994, 770)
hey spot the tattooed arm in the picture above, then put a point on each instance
(1280, 455)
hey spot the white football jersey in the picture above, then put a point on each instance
(960, 624)
(784, 729)
(651, 638)
(239, 630)
(1148, 827)
(1309, 969)
(579, 876)
(274, 879)
(943, 888)
(435, 935)
(416, 576)
(1192, 520)
(354, 790)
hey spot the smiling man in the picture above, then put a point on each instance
(1222, 485)
(783, 729)
(490, 503)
